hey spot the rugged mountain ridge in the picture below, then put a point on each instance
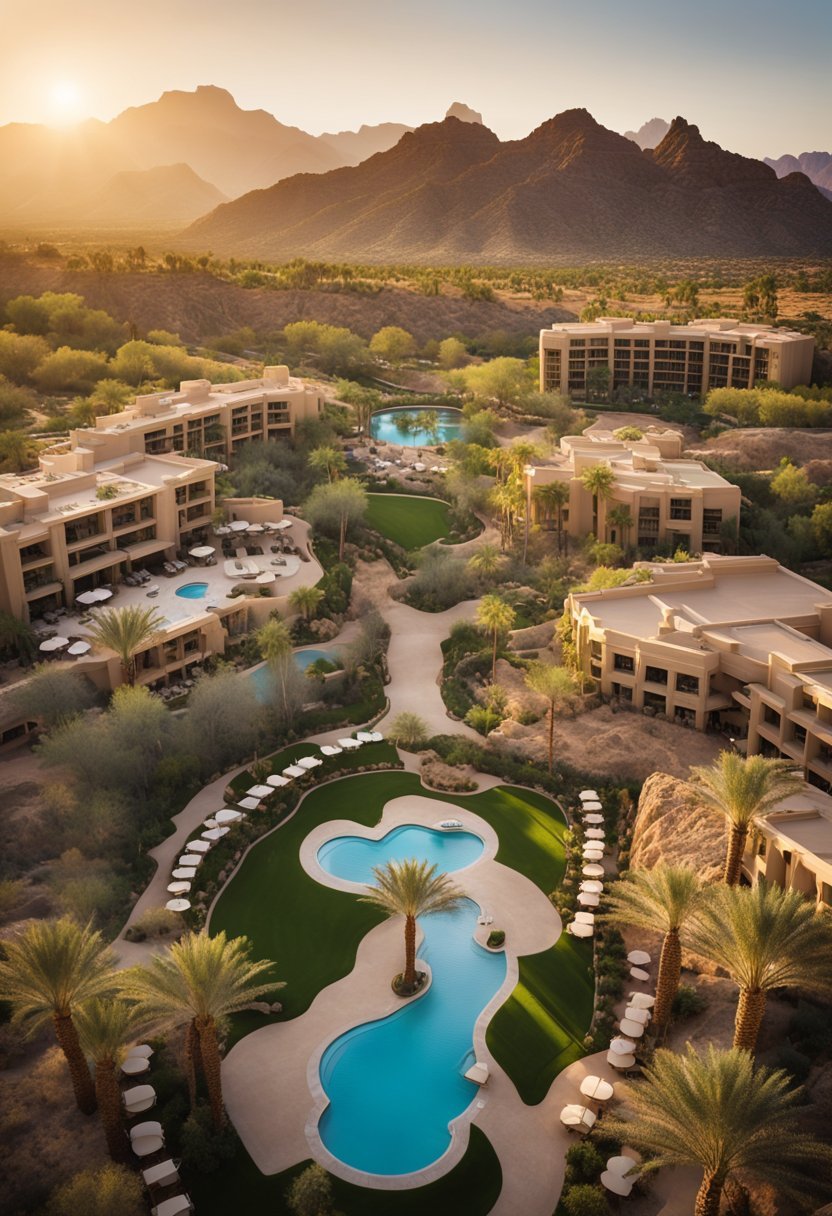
(816, 165)
(650, 133)
(572, 188)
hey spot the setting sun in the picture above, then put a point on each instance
(65, 102)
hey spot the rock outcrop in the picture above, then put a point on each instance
(672, 826)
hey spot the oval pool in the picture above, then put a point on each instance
(394, 1085)
(407, 427)
(261, 676)
(192, 591)
(353, 857)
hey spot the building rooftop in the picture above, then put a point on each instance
(701, 327)
(805, 819)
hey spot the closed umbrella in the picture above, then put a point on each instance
(53, 644)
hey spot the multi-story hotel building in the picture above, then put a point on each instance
(792, 846)
(88, 515)
(670, 502)
(211, 420)
(738, 644)
(656, 356)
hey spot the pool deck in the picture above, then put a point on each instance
(270, 1078)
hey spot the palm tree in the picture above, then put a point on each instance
(507, 500)
(557, 686)
(741, 788)
(49, 971)
(553, 498)
(411, 888)
(329, 460)
(765, 938)
(17, 637)
(486, 561)
(126, 631)
(306, 600)
(495, 616)
(198, 982)
(105, 1027)
(620, 517)
(599, 479)
(722, 1114)
(275, 643)
(662, 900)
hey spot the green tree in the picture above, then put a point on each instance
(17, 452)
(503, 380)
(66, 369)
(275, 643)
(765, 938)
(51, 969)
(722, 1114)
(662, 900)
(363, 401)
(452, 354)
(408, 730)
(126, 631)
(333, 508)
(411, 888)
(822, 527)
(106, 1027)
(740, 788)
(558, 687)
(486, 561)
(306, 600)
(495, 617)
(100, 1192)
(599, 480)
(311, 1193)
(621, 518)
(553, 497)
(792, 485)
(198, 983)
(17, 639)
(329, 460)
(392, 344)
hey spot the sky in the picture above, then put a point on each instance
(754, 75)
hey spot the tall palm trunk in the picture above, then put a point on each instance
(110, 1109)
(733, 858)
(342, 538)
(211, 1069)
(193, 1060)
(70, 1045)
(494, 660)
(670, 969)
(410, 950)
(750, 1010)
(551, 735)
(708, 1196)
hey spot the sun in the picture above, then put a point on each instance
(65, 102)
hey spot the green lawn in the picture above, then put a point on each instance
(410, 521)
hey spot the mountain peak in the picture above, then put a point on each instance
(458, 109)
(650, 133)
(685, 154)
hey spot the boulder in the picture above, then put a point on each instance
(672, 826)
(535, 637)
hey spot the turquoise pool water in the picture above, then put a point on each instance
(353, 857)
(192, 591)
(402, 427)
(394, 1085)
(261, 678)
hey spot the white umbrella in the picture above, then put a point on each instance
(634, 1029)
(223, 530)
(577, 929)
(178, 905)
(202, 551)
(198, 846)
(616, 1184)
(328, 750)
(639, 958)
(621, 1165)
(294, 770)
(636, 973)
(86, 597)
(229, 816)
(587, 900)
(593, 818)
(216, 833)
(260, 791)
(633, 1014)
(255, 528)
(585, 918)
(284, 524)
(593, 886)
(188, 872)
(574, 1115)
(364, 735)
(596, 834)
(308, 762)
(622, 1047)
(594, 807)
(100, 594)
(588, 796)
(54, 644)
(268, 576)
(349, 743)
(210, 823)
(179, 888)
(593, 870)
(249, 804)
(238, 525)
(597, 1088)
(593, 854)
(376, 736)
(642, 1000)
(275, 781)
(190, 859)
(79, 648)
(616, 1060)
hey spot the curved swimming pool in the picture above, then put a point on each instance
(262, 680)
(192, 591)
(415, 428)
(353, 857)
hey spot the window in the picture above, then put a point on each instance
(771, 716)
(623, 662)
(687, 683)
(652, 700)
(711, 521)
(656, 675)
(680, 508)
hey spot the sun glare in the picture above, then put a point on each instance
(65, 102)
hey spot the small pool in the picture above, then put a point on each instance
(261, 677)
(192, 591)
(353, 857)
(416, 428)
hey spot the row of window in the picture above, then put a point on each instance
(656, 675)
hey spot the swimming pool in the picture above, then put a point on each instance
(395, 1085)
(192, 591)
(411, 427)
(261, 676)
(353, 857)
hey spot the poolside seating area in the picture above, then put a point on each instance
(591, 889)
(160, 1173)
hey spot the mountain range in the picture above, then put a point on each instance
(816, 165)
(452, 191)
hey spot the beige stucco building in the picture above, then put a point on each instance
(792, 846)
(671, 503)
(738, 644)
(657, 356)
(207, 419)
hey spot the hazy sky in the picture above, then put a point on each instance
(754, 74)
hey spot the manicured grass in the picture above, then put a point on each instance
(411, 522)
(470, 1188)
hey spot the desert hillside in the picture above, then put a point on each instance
(671, 827)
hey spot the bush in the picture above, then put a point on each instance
(496, 938)
(113, 1188)
(794, 1062)
(204, 1149)
(688, 1001)
(482, 719)
(585, 1200)
(408, 730)
(810, 1027)
(158, 922)
(583, 1163)
(311, 1193)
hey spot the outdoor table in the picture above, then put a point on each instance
(596, 1088)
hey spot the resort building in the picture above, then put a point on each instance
(792, 846)
(207, 419)
(737, 644)
(658, 500)
(656, 357)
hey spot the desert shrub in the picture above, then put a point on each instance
(408, 730)
(53, 696)
(583, 1163)
(688, 1001)
(311, 1193)
(441, 581)
(113, 1188)
(159, 922)
(585, 1200)
(482, 719)
(203, 1148)
(496, 938)
(11, 895)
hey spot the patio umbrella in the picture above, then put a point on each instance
(593, 851)
(376, 736)
(640, 1016)
(229, 816)
(364, 735)
(578, 929)
(636, 973)
(238, 525)
(54, 644)
(329, 750)
(284, 524)
(308, 762)
(259, 791)
(215, 833)
(574, 1116)
(179, 888)
(210, 823)
(188, 872)
(349, 743)
(177, 905)
(642, 1000)
(268, 576)
(275, 781)
(597, 1088)
(593, 886)
(588, 796)
(593, 870)
(596, 834)
(100, 594)
(294, 770)
(616, 1060)
(592, 806)
(622, 1047)
(587, 900)
(585, 918)
(78, 648)
(86, 597)
(639, 958)
(249, 804)
(594, 818)
(202, 551)
(634, 1029)
(189, 859)
(616, 1184)
(621, 1165)
(257, 528)
(198, 846)
(223, 530)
